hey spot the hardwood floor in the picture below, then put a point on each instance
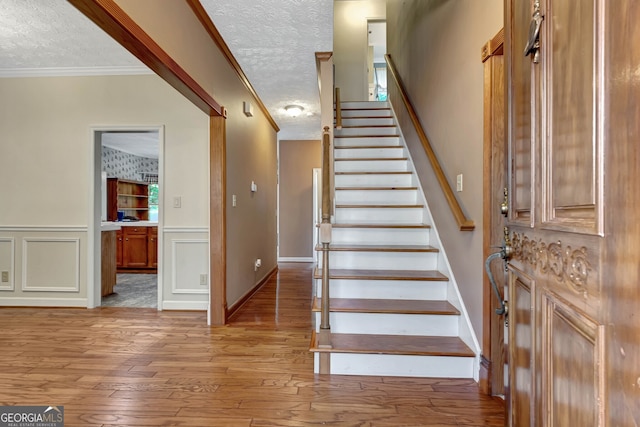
(140, 367)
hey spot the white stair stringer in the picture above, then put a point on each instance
(383, 250)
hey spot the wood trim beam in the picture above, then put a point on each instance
(321, 57)
(115, 22)
(464, 224)
(204, 18)
(494, 47)
(218, 221)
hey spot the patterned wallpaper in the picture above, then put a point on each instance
(118, 164)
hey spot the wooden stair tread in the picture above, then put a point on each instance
(364, 117)
(353, 274)
(389, 306)
(373, 159)
(414, 345)
(375, 173)
(367, 136)
(374, 188)
(380, 206)
(379, 248)
(365, 109)
(367, 147)
(372, 225)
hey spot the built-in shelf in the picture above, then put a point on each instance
(131, 197)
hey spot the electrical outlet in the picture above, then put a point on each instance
(234, 201)
(5, 276)
(257, 264)
(203, 279)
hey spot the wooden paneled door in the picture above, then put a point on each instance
(573, 108)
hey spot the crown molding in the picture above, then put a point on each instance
(75, 71)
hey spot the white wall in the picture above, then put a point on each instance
(350, 50)
(45, 160)
(436, 48)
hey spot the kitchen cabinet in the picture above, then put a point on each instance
(130, 197)
(138, 249)
(152, 247)
(108, 269)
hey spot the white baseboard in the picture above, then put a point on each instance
(43, 302)
(295, 259)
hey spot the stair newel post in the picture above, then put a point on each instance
(338, 110)
(325, 227)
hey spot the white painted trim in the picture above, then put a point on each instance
(11, 285)
(186, 305)
(295, 259)
(76, 71)
(174, 271)
(94, 265)
(466, 330)
(25, 264)
(46, 228)
(43, 302)
(188, 229)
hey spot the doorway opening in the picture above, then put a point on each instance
(127, 217)
(376, 64)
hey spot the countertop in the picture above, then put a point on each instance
(117, 225)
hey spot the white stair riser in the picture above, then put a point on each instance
(377, 197)
(365, 113)
(400, 365)
(382, 260)
(379, 215)
(371, 166)
(392, 324)
(374, 180)
(366, 121)
(366, 131)
(360, 153)
(360, 141)
(364, 105)
(381, 289)
(381, 236)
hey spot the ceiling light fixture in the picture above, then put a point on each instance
(293, 110)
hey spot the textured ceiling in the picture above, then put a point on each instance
(274, 41)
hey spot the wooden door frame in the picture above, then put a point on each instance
(493, 355)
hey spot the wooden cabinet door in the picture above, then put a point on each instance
(119, 249)
(152, 247)
(572, 147)
(135, 252)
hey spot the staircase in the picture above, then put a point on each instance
(394, 310)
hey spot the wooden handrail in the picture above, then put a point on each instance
(464, 223)
(338, 110)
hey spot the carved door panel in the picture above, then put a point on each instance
(555, 136)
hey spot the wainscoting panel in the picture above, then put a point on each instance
(189, 263)
(51, 264)
(7, 263)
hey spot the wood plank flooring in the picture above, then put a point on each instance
(140, 367)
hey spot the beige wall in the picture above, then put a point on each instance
(350, 50)
(45, 181)
(436, 48)
(297, 160)
(251, 142)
